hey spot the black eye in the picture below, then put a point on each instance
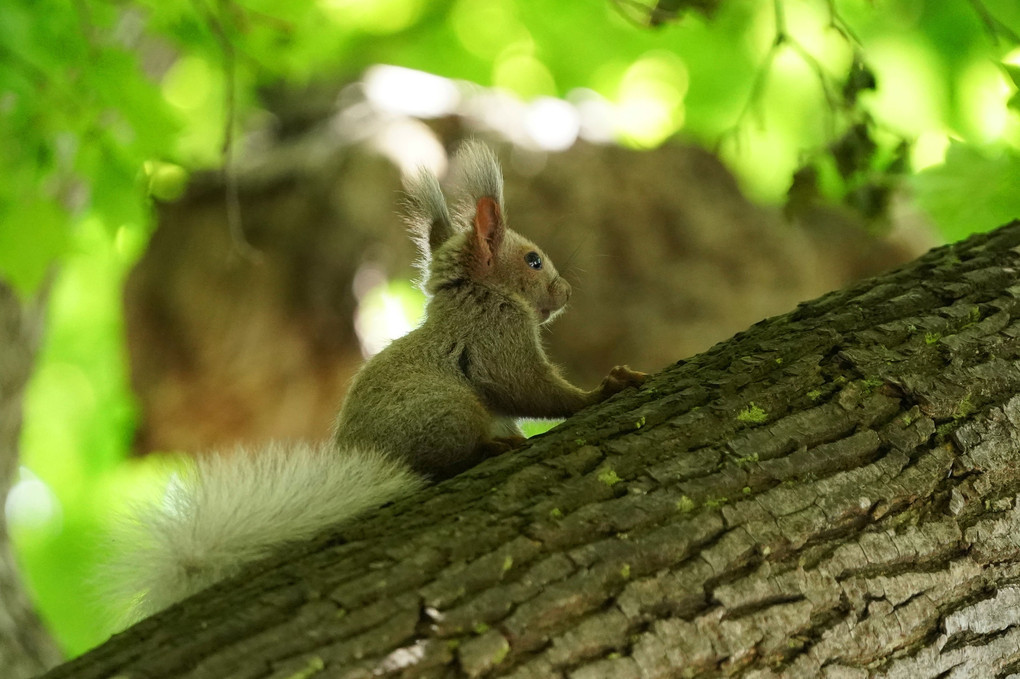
(534, 260)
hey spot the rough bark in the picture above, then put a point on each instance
(833, 492)
(26, 648)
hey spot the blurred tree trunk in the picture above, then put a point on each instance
(666, 255)
(833, 492)
(25, 646)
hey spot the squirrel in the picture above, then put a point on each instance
(430, 405)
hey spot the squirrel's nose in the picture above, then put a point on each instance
(561, 285)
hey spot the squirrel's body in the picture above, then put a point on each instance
(433, 403)
(453, 383)
(425, 381)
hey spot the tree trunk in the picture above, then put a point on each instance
(830, 493)
(25, 646)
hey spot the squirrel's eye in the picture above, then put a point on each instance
(534, 260)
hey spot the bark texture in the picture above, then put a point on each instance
(26, 648)
(833, 492)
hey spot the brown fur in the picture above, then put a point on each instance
(443, 397)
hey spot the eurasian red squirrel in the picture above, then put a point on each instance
(433, 403)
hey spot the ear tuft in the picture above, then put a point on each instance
(427, 214)
(478, 174)
(480, 182)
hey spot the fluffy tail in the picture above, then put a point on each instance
(229, 510)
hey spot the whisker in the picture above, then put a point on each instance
(573, 254)
(577, 269)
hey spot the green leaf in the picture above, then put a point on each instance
(973, 190)
(1013, 71)
(32, 236)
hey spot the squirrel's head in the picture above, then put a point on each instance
(477, 245)
(507, 261)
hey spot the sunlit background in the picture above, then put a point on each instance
(105, 106)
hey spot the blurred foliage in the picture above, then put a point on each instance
(105, 106)
(973, 186)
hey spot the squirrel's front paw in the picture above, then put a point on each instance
(620, 378)
(499, 445)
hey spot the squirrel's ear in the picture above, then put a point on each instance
(481, 182)
(427, 214)
(488, 232)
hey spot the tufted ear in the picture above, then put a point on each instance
(427, 214)
(489, 230)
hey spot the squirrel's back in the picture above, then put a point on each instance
(415, 403)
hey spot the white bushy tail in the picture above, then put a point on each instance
(231, 509)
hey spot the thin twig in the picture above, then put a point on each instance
(823, 81)
(232, 191)
(783, 39)
(760, 76)
(839, 24)
(41, 77)
(87, 26)
(630, 10)
(996, 29)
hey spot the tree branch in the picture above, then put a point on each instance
(997, 30)
(26, 647)
(217, 24)
(834, 488)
